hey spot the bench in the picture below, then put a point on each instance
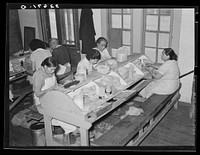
(133, 129)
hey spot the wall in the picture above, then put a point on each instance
(15, 39)
(29, 18)
(186, 53)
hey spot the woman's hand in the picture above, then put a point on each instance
(147, 65)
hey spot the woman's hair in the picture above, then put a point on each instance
(93, 54)
(49, 62)
(46, 45)
(53, 39)
(36, 43)
(171, 53)
(101, 39)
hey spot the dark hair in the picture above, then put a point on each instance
(46, 45)
(49, 62)
(101, 39)
(36, 43)
(171, 53)
(93, 54)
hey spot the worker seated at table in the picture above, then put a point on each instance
(38, 54)
(85, 66)
(62, 56)
(101, 46)
(44, 80)
(165, 78)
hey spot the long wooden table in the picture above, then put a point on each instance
(57, 104)
(133, 129)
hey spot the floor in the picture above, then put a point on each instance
(175, 129)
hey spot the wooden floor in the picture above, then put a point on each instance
(175, 129)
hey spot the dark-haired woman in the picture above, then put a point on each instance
(44, 79)
(39, 53)
(101, 46)
(85, 66)
(166, 77)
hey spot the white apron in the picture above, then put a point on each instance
(48, 83)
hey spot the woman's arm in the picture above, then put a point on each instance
(155, 74)
(38, 83)
(152, 65)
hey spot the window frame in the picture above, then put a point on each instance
(157, 32)
(60, 24)
(122, 29)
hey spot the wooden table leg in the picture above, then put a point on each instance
(84, 137)
(48, 131)
(176, 105)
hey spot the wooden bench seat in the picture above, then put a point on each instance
(133, 129)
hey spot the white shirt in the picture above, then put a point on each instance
(104, 54)
(169, 70)
(169, 82)
(38, 56)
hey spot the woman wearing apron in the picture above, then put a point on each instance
(44, 80)
(101, 46)
(166, 77)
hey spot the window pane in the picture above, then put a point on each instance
(116, 10)
(53, 27)
(126, 37)
(126, 21)
(150, 39)
(151, 53)
(159, 56)
(152, 23)
(66, 25)
(164, 23)
(152, 11)
(116, 21)
(163, 40)
(71, 25)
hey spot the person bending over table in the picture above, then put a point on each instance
(61, 54)
(101, 46)
(45, 80)
(38, 54)
(86, 65)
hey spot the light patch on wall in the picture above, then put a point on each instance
(186, 53)
(97, 22)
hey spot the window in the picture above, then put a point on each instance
(61, 24)
(120, 32)
(157, 32)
